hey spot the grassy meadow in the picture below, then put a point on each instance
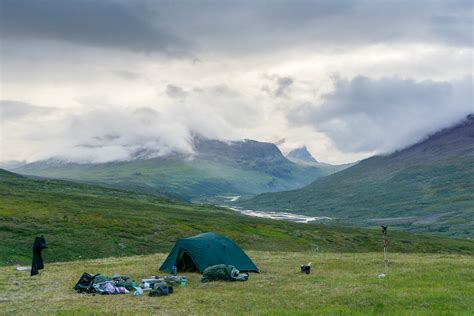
(417, 284)
(84, 221)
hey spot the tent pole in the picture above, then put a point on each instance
(385, 248)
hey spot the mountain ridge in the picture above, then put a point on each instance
(216, 169)
(424, 187)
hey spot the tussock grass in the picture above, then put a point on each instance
(341, 283)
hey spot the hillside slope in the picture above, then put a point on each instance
(84, 221)
(217, 169)
(427, 187)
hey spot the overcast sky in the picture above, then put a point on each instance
(98, 80)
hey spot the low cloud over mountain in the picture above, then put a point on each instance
(382, 115)
(346, 78)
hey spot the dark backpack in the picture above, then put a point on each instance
(162, 290)
(85, 283)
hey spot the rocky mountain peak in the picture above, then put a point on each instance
(301, 154)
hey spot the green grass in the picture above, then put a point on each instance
(84, 221)
(341, 283)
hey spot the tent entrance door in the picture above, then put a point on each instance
(186, 263)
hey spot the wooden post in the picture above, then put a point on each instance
(385, 247)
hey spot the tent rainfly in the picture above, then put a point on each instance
(205, 250)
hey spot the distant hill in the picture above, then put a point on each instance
(83, 221)
(217, 170)
(427, 187)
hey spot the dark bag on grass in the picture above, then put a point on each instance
(162, 290)
(85, 283)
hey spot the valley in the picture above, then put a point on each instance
(427, 187)
(81, 221)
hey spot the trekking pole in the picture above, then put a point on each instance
(385, 248)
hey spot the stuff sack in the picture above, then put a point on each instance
(222, 272)
(161, 290)
(306, 268)
(85, 283)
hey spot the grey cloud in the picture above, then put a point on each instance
(283, 84)
(175, 92)
(224, 90)
(221, 90)
(183, 28)
(248, 26)
(363, 115)
(128, 75)
(12, 110)
(452, 26)
(117, 24)
(279, 87)
(146, 112)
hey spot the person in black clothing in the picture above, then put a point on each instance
(38, 246)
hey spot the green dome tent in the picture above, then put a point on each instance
(205, 250)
